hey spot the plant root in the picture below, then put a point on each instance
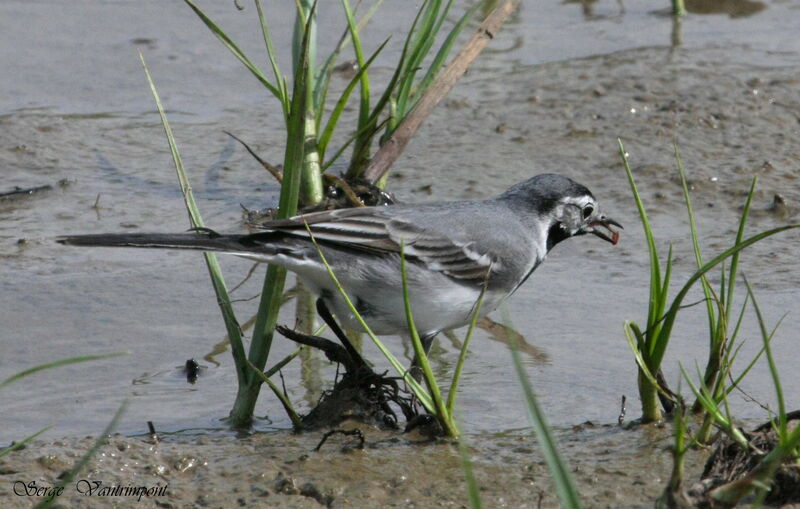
(346, 432)
(361, 394)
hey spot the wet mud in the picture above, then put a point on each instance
(613, 467)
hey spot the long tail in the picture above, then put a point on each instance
(193, 240)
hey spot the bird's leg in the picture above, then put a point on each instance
(333, 351)
(427, 342)
(327, 317)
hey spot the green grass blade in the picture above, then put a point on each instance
(669, 317)
(653, 336)
(565, 487)
(286, 360)
(294, 155)
(400, 71)
(424, 398)
(462, 356)
(696, 243)
(295, 142)
(655, 269)
(195, 220)
(754, 360)
(20, 444)
(443, 16)
(321, 91)
(55, 364)
(72, 473)
(363, 112)
(773, 369)
(444, 50)
(473, 491)
(297, 421)
(369, 128)
(333, 119)
(228, 43)
(640, 341)
(423, 40)
(304, 37)
(705, 398)
(739, 235)
(327, 164)
(637, 343)
(283, 94)
(444, 417)
(361, 148)
(214, 270)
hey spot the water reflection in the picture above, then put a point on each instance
(588, 9)
(733, 8)
(504, 334)
(212, 187)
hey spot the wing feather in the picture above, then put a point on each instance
(377, 228)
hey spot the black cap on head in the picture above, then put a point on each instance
(542, 192)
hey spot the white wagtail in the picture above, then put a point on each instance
(453, 249)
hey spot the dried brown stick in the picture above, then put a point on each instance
(267, 166)
(345, 187)
(389, 152)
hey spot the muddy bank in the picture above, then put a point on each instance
(612, 466)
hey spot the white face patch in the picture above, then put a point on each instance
(570, 211)
(580, 201)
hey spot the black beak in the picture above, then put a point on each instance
(606, 222)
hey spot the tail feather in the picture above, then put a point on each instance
(199, 241)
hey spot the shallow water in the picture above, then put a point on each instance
(555, 90)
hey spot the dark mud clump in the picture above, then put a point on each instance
(732, 467)
(363, 396)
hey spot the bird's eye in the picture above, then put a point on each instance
(587, 211)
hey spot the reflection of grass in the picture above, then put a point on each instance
(650, 345)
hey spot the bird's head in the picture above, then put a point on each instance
(563, 208)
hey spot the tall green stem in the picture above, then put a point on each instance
(243, 407)
(311, 187)
(272, 293)
(651, 406)
(305, 29)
